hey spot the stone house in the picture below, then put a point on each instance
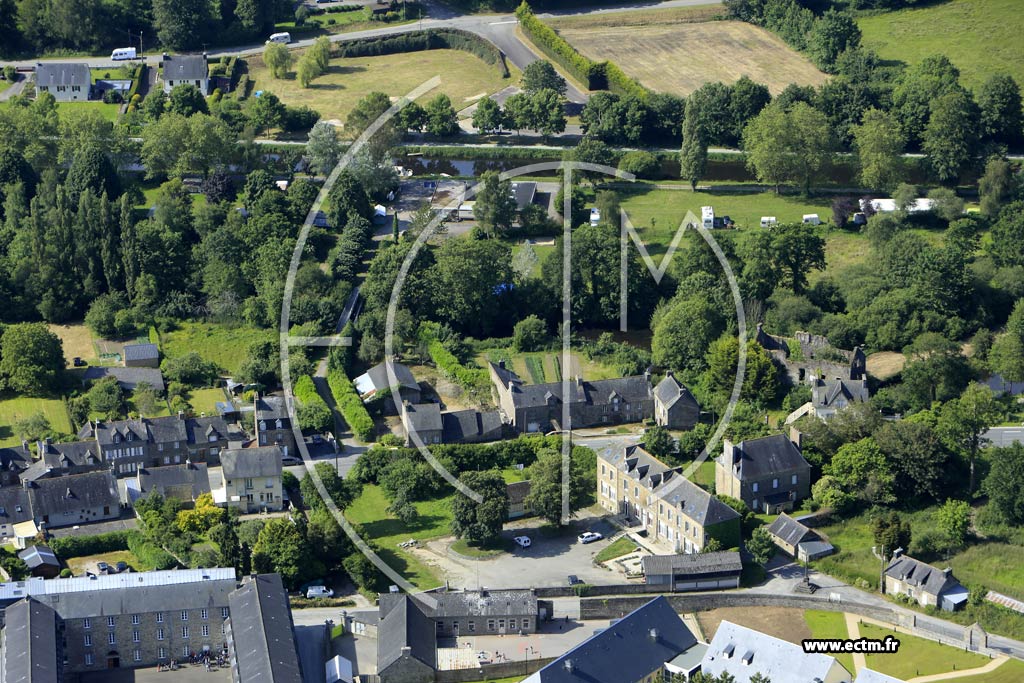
(375, 385)
(127, 445)
(674, 405)
(260, 633)
(797, 540)
(184, 482)
(768, 474)
(272, 424)
(65, 81)
(829, 396)
(923, 583)
(485, 612)
(406, 641)
(251, 479)
(816, 357)
(471, 426)
(74, 499)
(186, 70)
(425, 420)
(676, 513)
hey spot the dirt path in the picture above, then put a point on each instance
(853, 631)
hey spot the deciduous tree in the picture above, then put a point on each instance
(480, 522)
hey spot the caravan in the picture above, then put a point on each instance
(280, 38)
(123, 53)
(707, 217)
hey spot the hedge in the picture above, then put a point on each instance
(471, 379)
(140, 74)
(310, 399)
(429, 39)
(350, 405)
(597, 75)
(80, 546)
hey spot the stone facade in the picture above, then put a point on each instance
(816, 357)
(768, 474)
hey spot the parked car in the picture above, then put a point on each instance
(121, 567)
(103, 567)
(316, 438)
(290, 460)
(573, 580)
(319, 592)
(523, 541)
(78, 362)
(589, 537)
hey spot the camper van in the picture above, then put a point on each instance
(768, 221)
(123, 53)
(707, 217)
(465, 212)
(812, 219)
(280, 38)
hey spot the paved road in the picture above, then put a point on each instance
(1004, 436)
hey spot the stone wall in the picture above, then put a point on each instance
(492, 671)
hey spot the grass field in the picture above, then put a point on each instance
(1011, 671)
(463, 77)
(918, 656)
(645, 17)
(830, 625)
(205, 400)
(226, 346)
(622, 546)
(679, 58)
(999, 566)
(14, 409)
(79, 565)
(434, 521)
(108, 111)
(980, 37)
(77, 342)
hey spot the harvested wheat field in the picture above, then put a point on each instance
(885, 364)
(679, 58)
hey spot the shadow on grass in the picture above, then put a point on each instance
(382, 528)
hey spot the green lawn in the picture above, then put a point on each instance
(205, 400)
(668, 209)
(830, 625)
(1011, 671)
(541, 251)
(78, 565)
(980, 37)
(108, 111)
(622, 546)
(464, 547)
(998, 566)
(17, 408)
(434, 521)
(852, 539)
(918, 656)
(227, 346)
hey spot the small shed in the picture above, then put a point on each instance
(41, 561)
(141, 356)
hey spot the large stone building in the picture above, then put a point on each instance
(816, 357)
(674, 406)
(259, 633)
(675, 512)
(768, 474)
(128, 445)
(926, 585)
(743, 652)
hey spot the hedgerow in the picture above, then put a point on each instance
(350, 405)
(430, 39)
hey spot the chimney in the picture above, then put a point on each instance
(24, 445)
(897, 553)
(501, 364)
(670, 373)
(654, 634)
(947, 572)
(407, 651)
(48, 441)
(728, 453)
(569, 666)
(796, 437)
(181, 414)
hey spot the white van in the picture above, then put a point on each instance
(123, 53)
(812, 219)
(768, 221)
(280, 38)
(707, 217)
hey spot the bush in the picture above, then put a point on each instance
(350, 405)
(431, 39)
(148, 552)
(641, 164)
(10, 73)
(529, 334)
(475, 380)
(313, 412)
(80, 546)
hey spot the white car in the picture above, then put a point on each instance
(522, 541)
(589, 537)
(319, 592)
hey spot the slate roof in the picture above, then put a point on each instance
(924, 576)
(668, 484)
(52, 74)
(15, 505)
(743, 652)
(459, 425)
(597, 392)
(201, 429)
(38, 555)
(75, 453)
(669, 391)
(488, 603)
(14, 459)
(185, 67)
(127, 378)
(697, 564)
(57, 495)
(261, 629)
(186, 482)
(147, 429)
(826, 392)
(768, 455)
(423, 417)
(246, 463)
(378, 376)
(872, 676)
(31, 647)
(790, 531)
(404, 623)
(523, 193)
(130, 592)
(518, 491)
(273, 408)
(141, 352)
(625, 651)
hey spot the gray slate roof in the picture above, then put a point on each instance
(404, 623)
(766, 456)
(670, 485)
(423, 417)
(148, 429)
(246, 463)
(141, 352)
(14, 458)
(52, 74)
(38, 555)
(778, 660)
(30, 634)
(488, 603)
(187, 481)
(625, 651)
(826, 392)
(669, 391)
(15, 505)
(379, 376)
(790, 531)
(127, 378)
(261, 628)
(597, 392)
(924, 576)
(697, 564)
(75, 453)
(74, 492)
(185, 67)
(459, 425)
